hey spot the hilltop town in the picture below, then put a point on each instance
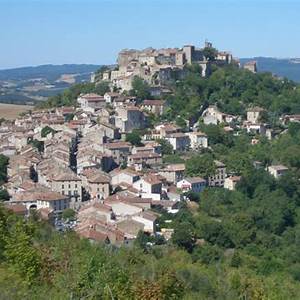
(105, 162)
(149, 150)
(151, 178)
(158, 67)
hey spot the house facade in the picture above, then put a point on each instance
(91, 102)
(69, 185)
(219, 178)
(179, 141)
(277, 170)
(194, 184)
(173, 172)
(198, 140)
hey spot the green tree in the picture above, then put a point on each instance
(46, 130)
(102, 87)
(180, 122)
(235, 259)
(173, 159)
(21, 253)
(200, 165)
(166, 147)
(215, 133)
(210, 53)
(207, 253)
(192, 196)
(140, 88)
(4, 196)
(141, 240)
(183, 236)
(165, 286)
(69, 117)
(37, 144)
(241, 229)
(294, 128)
(134, 138)
(68, 214)
(3, 168)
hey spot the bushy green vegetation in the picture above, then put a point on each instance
(134, 138)
(3, 168)
(166, 147)
(68, 214)
(173, 159)
(46, 130)
(39, 145)
(140, 89)
(4, 196)
(200, 165)
(232, 90)
(37, 263)
(68, 97)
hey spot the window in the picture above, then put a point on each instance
(69, 193)
(62, 186)
(69, 185)
(63, 192)
(75, 185)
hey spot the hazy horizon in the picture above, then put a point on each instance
(79, 63)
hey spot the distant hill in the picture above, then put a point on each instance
(49, 72)
(33, 84)
(289, 67)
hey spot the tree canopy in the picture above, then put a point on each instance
(3, 168)
(69, 96)
(232, 90)
(134, 138)
(140, 88)
(46, 130)
(200, 165)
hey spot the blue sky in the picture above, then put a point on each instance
(34, 32)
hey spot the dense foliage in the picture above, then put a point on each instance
(237, 245)
(134, 138)
(68, 97)
(46, 130)
(4, 196)
(232, 90)
(3, 168)
(200, 165)
(166, 147)
(140, 88)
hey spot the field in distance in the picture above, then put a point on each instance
(12, 111)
